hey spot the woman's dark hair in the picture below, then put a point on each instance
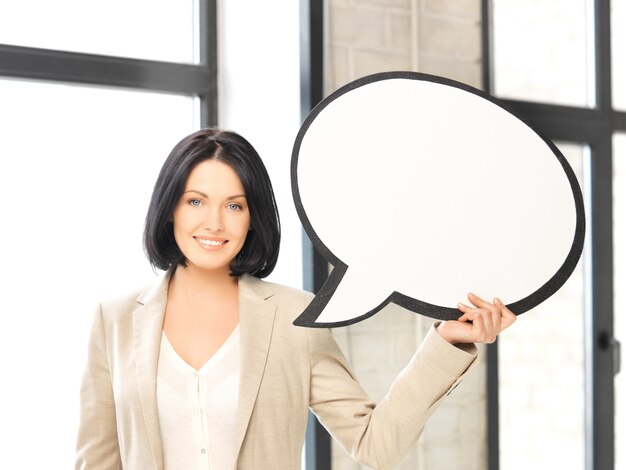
(260, 250)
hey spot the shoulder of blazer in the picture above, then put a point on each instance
(288, 300)
(125, 304)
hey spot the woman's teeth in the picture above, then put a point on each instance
(210, 242)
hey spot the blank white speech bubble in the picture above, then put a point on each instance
(418, 190)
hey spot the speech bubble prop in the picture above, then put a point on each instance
(419, 189)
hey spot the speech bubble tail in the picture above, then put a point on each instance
(347, 297)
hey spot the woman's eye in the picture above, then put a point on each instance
(195, 202)
(234, 207)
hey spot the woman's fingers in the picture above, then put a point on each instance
(463, 308)
(477, 301)
(488, 319)
(508, 317)
(493, 308)
(480, 303)
(482, 327)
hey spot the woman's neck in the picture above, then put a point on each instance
(194, 283)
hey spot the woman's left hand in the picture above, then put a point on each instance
(480, 323)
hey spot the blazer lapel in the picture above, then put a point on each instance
(147, 330)
(256, 322)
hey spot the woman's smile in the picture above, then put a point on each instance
(211, 244)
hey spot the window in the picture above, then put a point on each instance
(78, 169)
(164, 30)
(557, 72)
(542, 374)
(541, 51)
(83, 139)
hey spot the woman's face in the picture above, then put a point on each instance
(211, 220)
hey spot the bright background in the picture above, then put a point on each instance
(78, 166)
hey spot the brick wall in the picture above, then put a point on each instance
(368, 36)
(441, 37)
(449, 39)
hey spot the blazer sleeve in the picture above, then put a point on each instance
(97, 444)
(380, 435)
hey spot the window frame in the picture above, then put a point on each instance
(318, 444)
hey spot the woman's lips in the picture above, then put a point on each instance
(211, 242)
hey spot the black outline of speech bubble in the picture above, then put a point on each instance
(315, 308)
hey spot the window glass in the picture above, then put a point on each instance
(619, 281)
(145, 29)
(78, 167)
(541, 51)
(618, 51)
(541, 375)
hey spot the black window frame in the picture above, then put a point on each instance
(318, 450)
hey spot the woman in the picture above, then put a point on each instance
(206, 370)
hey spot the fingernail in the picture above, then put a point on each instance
(497, 301)
(471, 295)
(461, 305)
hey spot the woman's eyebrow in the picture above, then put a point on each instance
(229, 198)
(198, 192)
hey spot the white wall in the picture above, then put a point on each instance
(259, 97)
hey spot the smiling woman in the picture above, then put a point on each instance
(206, 369)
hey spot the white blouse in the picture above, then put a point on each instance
(198, 408)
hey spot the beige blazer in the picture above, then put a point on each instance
(285, 370)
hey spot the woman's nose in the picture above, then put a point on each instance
(213, 220)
